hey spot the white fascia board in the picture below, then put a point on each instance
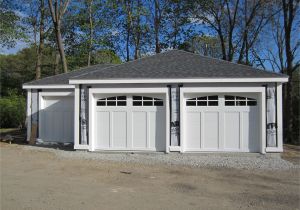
(141, 81)
(48, 86)
(222, 89)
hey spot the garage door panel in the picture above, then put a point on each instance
(103, 129)
(119, 129)
(193, 132)
(68, 125)
(157, 127)
(253, 137)
(232, 130)
(211, 130)
(139, 129)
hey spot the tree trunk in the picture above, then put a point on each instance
(57, 12)
(61, 48)
(41, 46)
(288, 16)
(127, 44)
(156, 26)
(91, 32)
(138, 32)
(57, 58)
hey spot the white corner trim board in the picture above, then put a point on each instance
(164, 81)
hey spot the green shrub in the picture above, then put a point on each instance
(12, 111)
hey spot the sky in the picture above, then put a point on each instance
(19, 46)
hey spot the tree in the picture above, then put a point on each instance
(57, 11)
(11, 28)
(203, 45)
(290, 8)
(41, 42)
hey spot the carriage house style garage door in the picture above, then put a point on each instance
(130, 122)
(222, 122)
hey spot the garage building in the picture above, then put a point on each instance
(172, 101)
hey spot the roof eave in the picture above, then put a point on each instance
(54, 86)
(189, 80)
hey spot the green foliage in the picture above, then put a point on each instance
(203, 45)
(11, 28)
(12, 110)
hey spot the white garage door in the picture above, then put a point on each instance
(130, 122)
(57, 119)
(222, 122)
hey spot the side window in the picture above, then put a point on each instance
(146, 101)
(112, 101)
(239, 101)
(203, 101)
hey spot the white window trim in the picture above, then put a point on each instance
(92, 106)
(164, 81)
(42, 104)
(261, 103)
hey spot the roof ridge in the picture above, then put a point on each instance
(231, 62)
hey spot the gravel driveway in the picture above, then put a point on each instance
(46, 178)
(228, 160)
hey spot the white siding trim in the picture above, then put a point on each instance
(263, 120)
(164, 81)
(279, 118)
(76, 120)
(29, 113)
(48, 86)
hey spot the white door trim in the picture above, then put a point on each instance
(92, 101)
(261, 101)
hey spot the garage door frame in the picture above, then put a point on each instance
(261, 102)
(42, 104)
(92, 102)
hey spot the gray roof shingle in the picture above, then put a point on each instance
(63, 79)
(177, 64)
(173, 64)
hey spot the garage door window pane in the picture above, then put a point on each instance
(137, 103)
(191, 103)
(121, 98)
(112, 101)
(212, 97)
(239, 101)
(146, 101)
(121, 103)
(101, 103)
(137, 97)
(213, 103)
(229, 103)
(229, 97)
(252, 103)
(203, 101)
